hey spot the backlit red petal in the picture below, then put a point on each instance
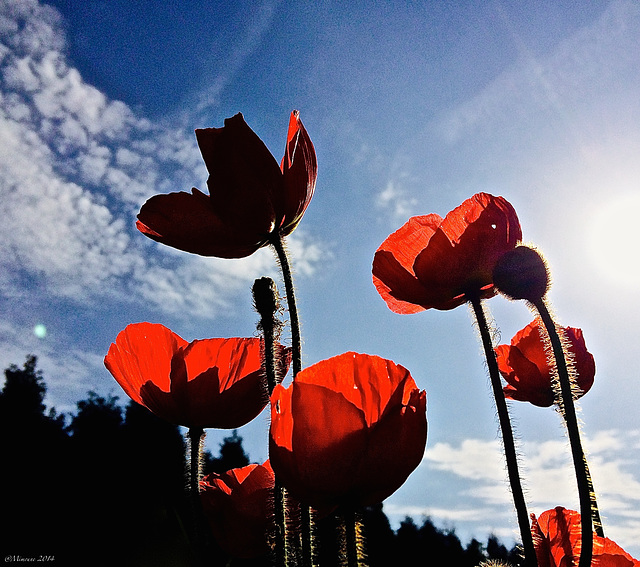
(393, 265)
(300, 171)
(142, 353)
(557, 540)
(225, 387)
(237, 503)
(328, 436)
(462, 253)
(396, 447)
(526, 365)
(370, 383)
(581, 359)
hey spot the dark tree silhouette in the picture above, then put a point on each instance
(474, 553)
(232, 456)
(33, 487)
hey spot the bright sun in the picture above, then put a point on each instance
(615, 240)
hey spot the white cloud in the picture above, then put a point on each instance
(394, 200)
(549, 478)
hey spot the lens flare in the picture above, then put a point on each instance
(40, 331)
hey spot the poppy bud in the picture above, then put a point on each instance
(265, 297)
(522, 273)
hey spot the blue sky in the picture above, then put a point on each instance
(412, 107)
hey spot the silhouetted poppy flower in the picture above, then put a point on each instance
(556, 537)
(250, 199)
(206, 383)
(348, 430)
(237, 505)
(432, 262)
(525, 365)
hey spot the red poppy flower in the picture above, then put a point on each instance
(237, 505)
(206, 383)
(432, 262)
(556, 537)
(525, 365)
(250, 197)
(349, 430)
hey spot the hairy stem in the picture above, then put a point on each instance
(353, 538)
(569, 412)
(196, 437)
(285, 267)
(507, 434)
(306, 515)
(265, 298)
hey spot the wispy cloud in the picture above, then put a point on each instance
(396, 202)
(549, 479)
(248, 41)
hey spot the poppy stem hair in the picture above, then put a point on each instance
(507, 432)
(307, 520)
(196, 437)
(266, 303)
(585, 488)
(265, 299)
(353, 541)
(285, 267)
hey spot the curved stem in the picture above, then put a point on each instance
(507, 434)
(569, 412)
(285, 266)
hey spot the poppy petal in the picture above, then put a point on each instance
(243, 176)
(338, 421)
(527, 367)
(142, 352)
(403, 427)
(188, 222)
(226, 386)
(237, 505)
(316, 452)
(300, 171)
(557, 540)
(462, 253)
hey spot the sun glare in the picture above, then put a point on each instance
(615, 240)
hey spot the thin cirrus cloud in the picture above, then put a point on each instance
(74, 169)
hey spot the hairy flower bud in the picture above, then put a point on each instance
(522, 273)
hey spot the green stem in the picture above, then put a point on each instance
(507, 434)
(281, 555)
(569, 411)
